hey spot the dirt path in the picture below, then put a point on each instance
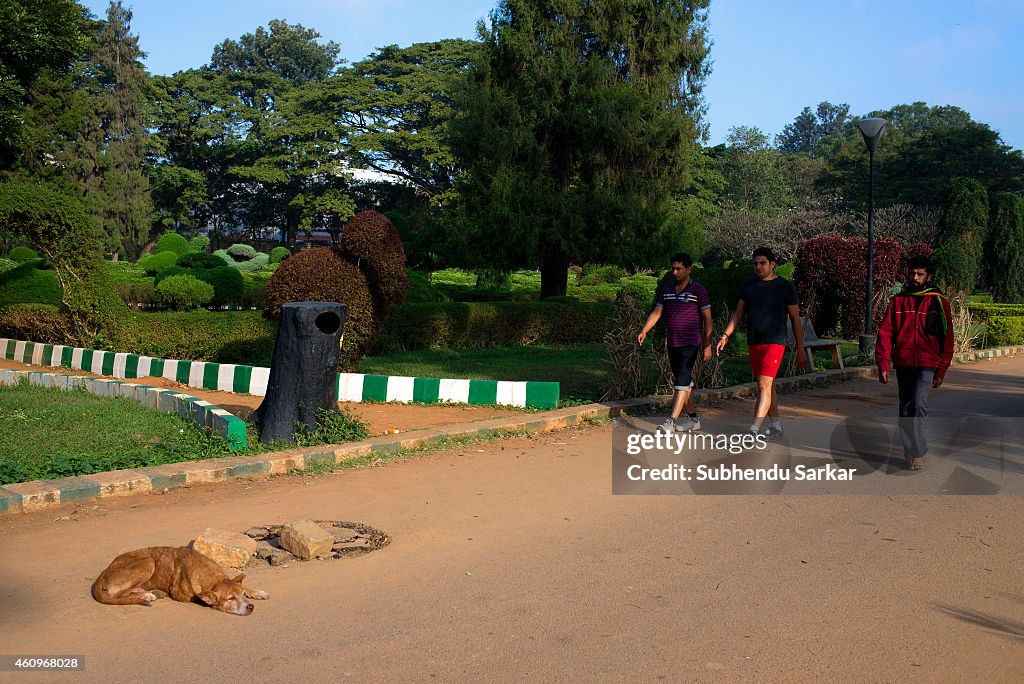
(380, 416)
(512, 561)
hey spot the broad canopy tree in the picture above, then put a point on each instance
(576, 131)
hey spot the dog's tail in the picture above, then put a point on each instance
(100, 593)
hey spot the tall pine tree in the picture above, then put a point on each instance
(577, 132)
(107, 159)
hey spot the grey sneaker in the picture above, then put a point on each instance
(774, 434)
(668, 427)
(688, 424)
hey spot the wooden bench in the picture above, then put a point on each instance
(812, 343)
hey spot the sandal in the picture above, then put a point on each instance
(916, 463)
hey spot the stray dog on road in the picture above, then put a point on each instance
(142, 576)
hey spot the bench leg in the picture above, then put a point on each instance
(837, 358)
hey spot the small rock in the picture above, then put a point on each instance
(306, 539)
(265, 549)
(257, 533)
(230, 549)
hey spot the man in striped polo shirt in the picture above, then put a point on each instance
(687, 310)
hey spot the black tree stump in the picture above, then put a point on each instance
(303, 370)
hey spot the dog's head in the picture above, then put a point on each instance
(229, 596)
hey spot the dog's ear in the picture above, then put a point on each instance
(240, 578)
(208, 598)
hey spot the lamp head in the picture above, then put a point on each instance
(871, 129)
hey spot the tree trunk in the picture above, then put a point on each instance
(303, 371)
(554, 275)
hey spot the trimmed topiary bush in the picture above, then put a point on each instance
(22, 253)
(198, 244)
(200, 260)
(372, 242)
(26, 284)
(183, 292)
(241, 252)
(154, 263)
(279, 254)
(963, 229)
(171, 242)
(322, 275)
(226, 281)
(831, 274)
(1006, 265)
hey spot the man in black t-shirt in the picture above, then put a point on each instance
(766, 301)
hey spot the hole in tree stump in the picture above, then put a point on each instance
(328, 322)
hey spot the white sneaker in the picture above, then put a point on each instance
(688, 424)
(668, 427)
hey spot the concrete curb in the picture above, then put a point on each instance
(42, 494)
(241, 379)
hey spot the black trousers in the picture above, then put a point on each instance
(914, 383)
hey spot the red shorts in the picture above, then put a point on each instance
(765, 359)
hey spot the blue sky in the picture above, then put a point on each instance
(770, 59)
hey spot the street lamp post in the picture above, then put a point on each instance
(871, 129)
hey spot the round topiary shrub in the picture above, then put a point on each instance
(371, 240)
(198, 244)
(241, 252)
(154, 263)
(182, 292)
(171, 242)
(321, 275)
(279, 254)
(200, 260)
(226, 281)
(22, 253)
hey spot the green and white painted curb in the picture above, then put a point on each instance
(358, 387)
(203, 414)
(227, 377)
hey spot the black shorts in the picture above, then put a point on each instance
(682, 360)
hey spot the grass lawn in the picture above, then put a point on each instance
(47, 433)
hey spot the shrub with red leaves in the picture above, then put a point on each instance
(831, 275)
(371, 240)
(321, 275)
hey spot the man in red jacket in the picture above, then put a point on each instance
(915, 337)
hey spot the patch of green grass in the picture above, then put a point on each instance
(581, 369)
(333, 427)
(48, 433)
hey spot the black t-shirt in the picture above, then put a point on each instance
(767, 313)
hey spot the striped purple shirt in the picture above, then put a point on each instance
(681, 312)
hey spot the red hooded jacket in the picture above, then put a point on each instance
(917, 330)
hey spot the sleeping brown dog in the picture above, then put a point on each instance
(140, 577)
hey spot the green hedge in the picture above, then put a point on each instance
(1005, 331)
(26, 284)
(495, 324)
(36, 322)
(983, 311)
(221, 336)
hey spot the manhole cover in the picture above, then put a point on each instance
(350, 539)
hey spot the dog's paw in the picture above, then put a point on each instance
(257, 594)
(149, 597)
